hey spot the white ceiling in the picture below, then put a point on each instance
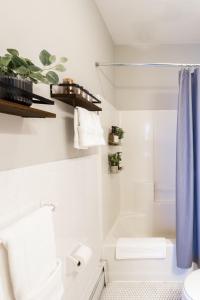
(133, 22)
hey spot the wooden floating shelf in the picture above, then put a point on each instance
(76, 100)
(12, 108)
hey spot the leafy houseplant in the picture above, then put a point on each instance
(120, 132)
(21, 72)
(119, 154)
(115, 135)
(114, 162)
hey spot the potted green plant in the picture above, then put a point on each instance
(116, 135)
(113, 138)
(119, 155)
(21, 72)
(114, 160)
(120, 133)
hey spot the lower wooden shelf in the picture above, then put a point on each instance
(16, 109)
(76, 100)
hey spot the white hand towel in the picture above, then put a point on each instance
(76, 131)
(88, 131)
(30, 243)
(52, 288)
(138, 248)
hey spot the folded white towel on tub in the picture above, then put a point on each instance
(32, 260)
(141, 248)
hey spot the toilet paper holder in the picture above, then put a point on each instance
(78, 259)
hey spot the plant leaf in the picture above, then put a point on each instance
(60, 68)
(63, 59)
(13, 51)
(45, 57)
(28, 61)
(52, 58)
(5, 60)
(38, 76)
(8, 55)
(18, 62)
(33, 80)
(22, 70)
(34, 68)
(52, 77)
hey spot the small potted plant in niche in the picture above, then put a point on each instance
(114, 162)
(116, 135)
(119, 155)
(120, 133)
(113, 136)
(21, 72)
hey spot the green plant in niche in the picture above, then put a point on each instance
(12, 64)
(120, 132)
(119, 154)
(114, 159)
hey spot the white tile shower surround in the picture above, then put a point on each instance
(142, 290)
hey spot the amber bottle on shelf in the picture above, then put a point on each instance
(68, 89)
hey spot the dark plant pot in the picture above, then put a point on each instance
(11, 94)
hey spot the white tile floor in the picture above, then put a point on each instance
(142, 290)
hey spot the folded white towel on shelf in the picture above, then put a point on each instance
(141, 248)
(88, 131)
(30, 244)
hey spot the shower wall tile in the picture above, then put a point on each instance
(147, 182)
(165, 154)
(143, 194)
(137, 148)
(165, 219)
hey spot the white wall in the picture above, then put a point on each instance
(148, 178)
(73, 186)
(76, 30)
(150, 88)
(165, 154)
(137, 177)
(66, 28)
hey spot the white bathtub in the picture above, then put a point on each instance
(130, 225)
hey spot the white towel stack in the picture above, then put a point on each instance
(141, 248)
(88, 131)
(34, 269)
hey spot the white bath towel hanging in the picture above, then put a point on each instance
(30, 244)
(141, 248)
(52, 288)
(88, 131)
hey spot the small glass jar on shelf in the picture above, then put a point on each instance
(68, 89)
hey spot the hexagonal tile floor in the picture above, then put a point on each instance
(142, 290)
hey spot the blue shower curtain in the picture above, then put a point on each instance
(188, 169)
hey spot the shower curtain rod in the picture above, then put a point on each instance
(176, 65)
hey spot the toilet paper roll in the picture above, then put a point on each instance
(82, 256)
(78, 259)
